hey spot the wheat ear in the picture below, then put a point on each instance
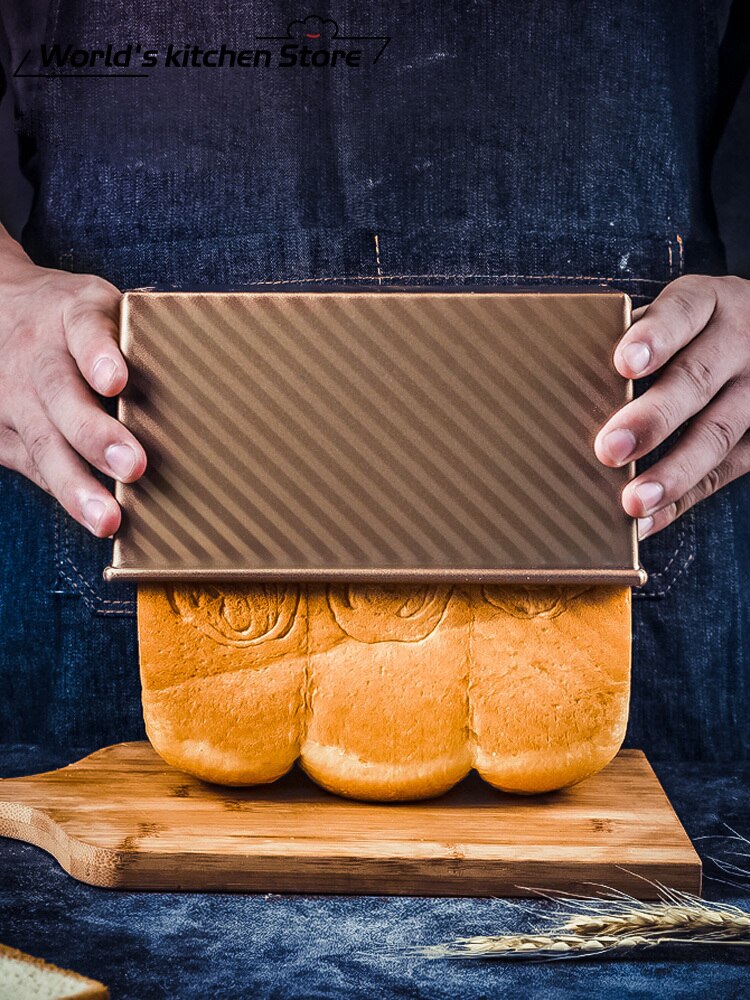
(619, 923)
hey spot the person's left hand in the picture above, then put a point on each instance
(696, 333)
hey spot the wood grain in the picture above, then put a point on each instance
(122, 818)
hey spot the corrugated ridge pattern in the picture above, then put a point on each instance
(369, 430)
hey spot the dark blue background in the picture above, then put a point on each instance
(579, 143)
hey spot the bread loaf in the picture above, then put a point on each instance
(386, 692)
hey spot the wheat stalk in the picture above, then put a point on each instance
(558, 945)
(619, 923)
(729, 867)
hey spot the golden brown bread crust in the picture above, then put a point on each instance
(550, 684)
(222, 674)
(389, 692)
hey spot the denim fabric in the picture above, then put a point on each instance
(566, 144)
(268, 946)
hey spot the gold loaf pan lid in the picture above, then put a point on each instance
(374, 433)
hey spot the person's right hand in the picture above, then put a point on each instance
(58, 349)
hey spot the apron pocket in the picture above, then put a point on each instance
(80, 559)
(666, 557)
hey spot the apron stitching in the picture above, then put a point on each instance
(680, 545)
(56, 537)
(675, 578)
(371, 277)
(96, 601)
(95, 605)
(88, 586)
(377, 259)
(688, 524)
(681, 255)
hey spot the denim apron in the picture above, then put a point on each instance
(552, 143)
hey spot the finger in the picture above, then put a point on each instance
(73, 409)
(736, 464)
(91, 333)
(69, 479)
(705, 444)
(677, 315)
(13, 455)
(685, 386)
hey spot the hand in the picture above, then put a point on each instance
(696, 334)
(58, 343)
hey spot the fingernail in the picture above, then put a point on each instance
(619, 445)
(636, 357)
(93, 512)
(121, 459)
(649, 494)
(104, 372)
(645, 524)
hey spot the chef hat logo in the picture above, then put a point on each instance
(312, 28)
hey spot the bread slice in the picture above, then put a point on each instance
(23, 977)
(386, 692)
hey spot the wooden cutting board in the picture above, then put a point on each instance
(122, 818)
